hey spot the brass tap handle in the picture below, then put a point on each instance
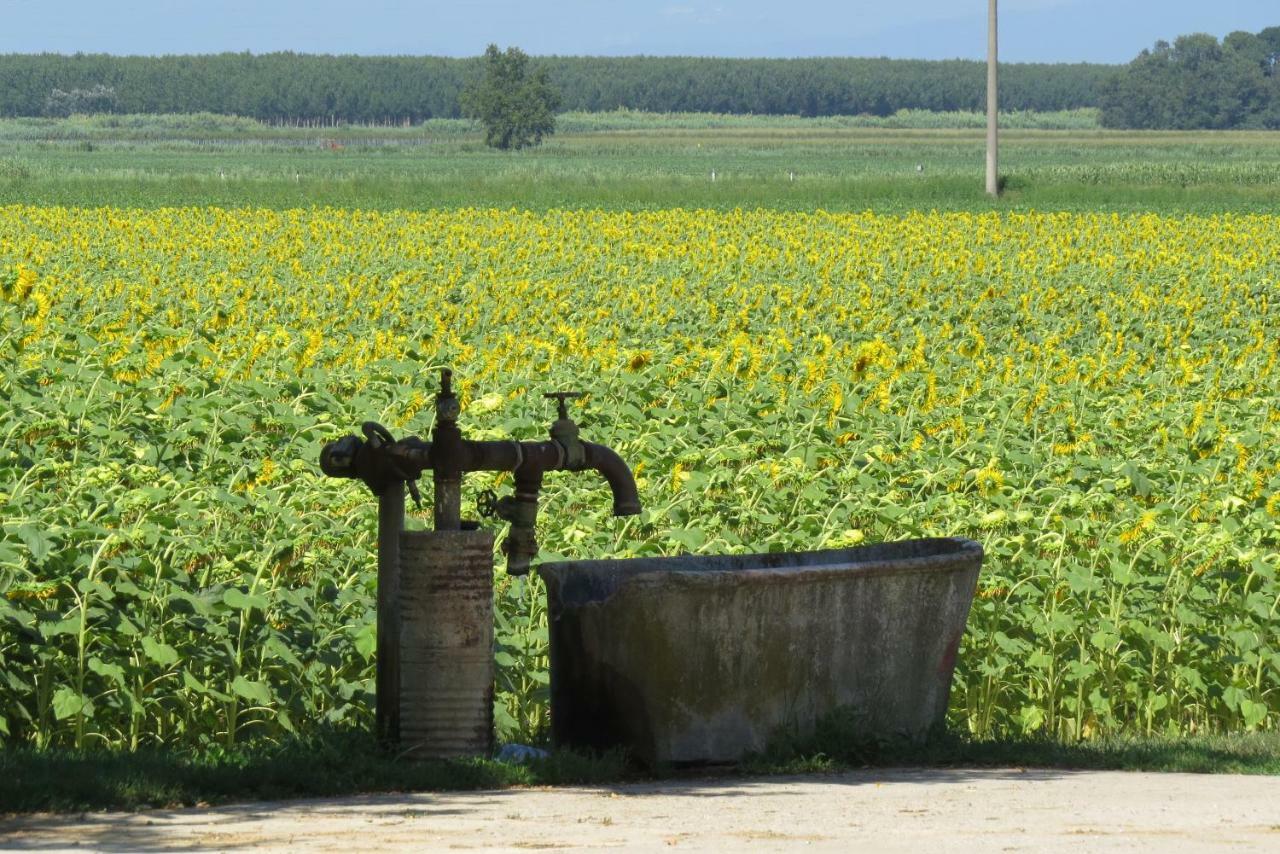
(560, 397)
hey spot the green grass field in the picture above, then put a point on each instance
(630, 161)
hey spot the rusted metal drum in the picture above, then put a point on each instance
(705, 659)
(446, 643)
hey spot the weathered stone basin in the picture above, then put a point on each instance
(704, 659)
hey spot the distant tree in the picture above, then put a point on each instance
(1269, 116)
(1198, 83)
(95, 99)
(1260, 53)
(516, 106)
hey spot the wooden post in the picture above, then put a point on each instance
(993, 114)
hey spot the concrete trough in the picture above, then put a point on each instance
(694, 659)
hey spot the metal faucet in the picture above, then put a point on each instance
(387, 465)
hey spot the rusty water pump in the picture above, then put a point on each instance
(435, 588)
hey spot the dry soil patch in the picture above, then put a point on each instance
(881, 810)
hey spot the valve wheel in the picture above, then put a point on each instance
(377, 434)
(487, 504)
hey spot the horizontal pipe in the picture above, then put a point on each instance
(450, 456)
(531, 456)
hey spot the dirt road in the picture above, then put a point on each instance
(882, 810)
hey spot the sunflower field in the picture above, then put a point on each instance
(1094, 397)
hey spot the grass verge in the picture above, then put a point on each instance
(327, 764)
(835, 746)
(348, 763)
(880, 194)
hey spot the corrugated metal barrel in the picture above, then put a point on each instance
(446, 643)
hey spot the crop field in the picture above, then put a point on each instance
(633, 161)
(1094, 396)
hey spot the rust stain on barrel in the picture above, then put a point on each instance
(947, 666)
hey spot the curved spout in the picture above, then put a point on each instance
(626, 501)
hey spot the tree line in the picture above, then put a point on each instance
(289, 87)
(1195, 82)
(1199, 82)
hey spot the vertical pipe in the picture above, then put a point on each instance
(448, 502)
(446, 473)
(993, 141)
(387, 677)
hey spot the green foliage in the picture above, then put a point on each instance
(1198, 82)
(143, 628)
(517, 107)
(176, 572)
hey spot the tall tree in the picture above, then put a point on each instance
(516, 107)
(1198, 83)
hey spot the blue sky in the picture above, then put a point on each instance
(1031, 30)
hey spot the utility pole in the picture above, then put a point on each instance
(993, 115)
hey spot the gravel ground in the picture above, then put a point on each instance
(880, 810)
